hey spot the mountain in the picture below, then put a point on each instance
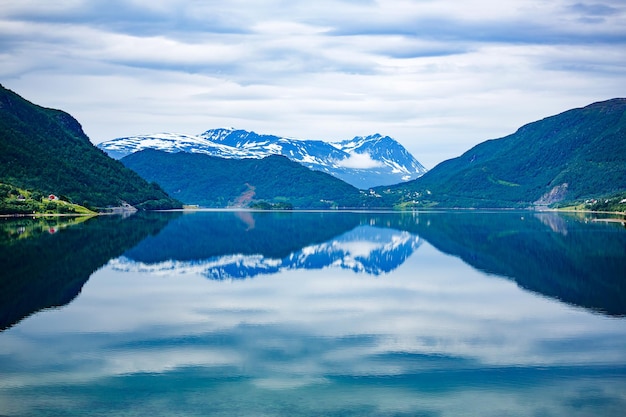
(576, 155)
(363, 161)
(47, 150)
(211, 181)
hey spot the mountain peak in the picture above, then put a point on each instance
(372, 137)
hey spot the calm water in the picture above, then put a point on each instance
(335, 314)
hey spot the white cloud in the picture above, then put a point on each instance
(439, 77)
(359, 160)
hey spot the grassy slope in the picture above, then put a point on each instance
(19, 201)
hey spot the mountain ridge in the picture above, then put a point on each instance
(577, 157)
(364, 161)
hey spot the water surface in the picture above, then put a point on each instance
(332, 313)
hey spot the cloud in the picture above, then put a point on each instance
(437, 76)
(596, 9)
(359, 160)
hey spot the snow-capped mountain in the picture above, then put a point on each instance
(365, 249)
(363, 161)
(385, 150)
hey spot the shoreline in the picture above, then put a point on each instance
(347, 209)
(33, 215)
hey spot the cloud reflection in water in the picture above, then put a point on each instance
(428, 335)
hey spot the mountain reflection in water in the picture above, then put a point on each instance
(47, 260)
(569, 258)
(583, 266)
(368, 249)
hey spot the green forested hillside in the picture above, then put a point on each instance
(46, 150)
(217, 182)
(576, 155)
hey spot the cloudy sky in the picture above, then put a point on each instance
(437, 75)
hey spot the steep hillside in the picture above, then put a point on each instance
(210, 181)
(46, 150)
(576, 155)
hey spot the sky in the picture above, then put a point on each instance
(439, 76)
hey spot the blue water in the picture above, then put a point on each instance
(337, 314)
